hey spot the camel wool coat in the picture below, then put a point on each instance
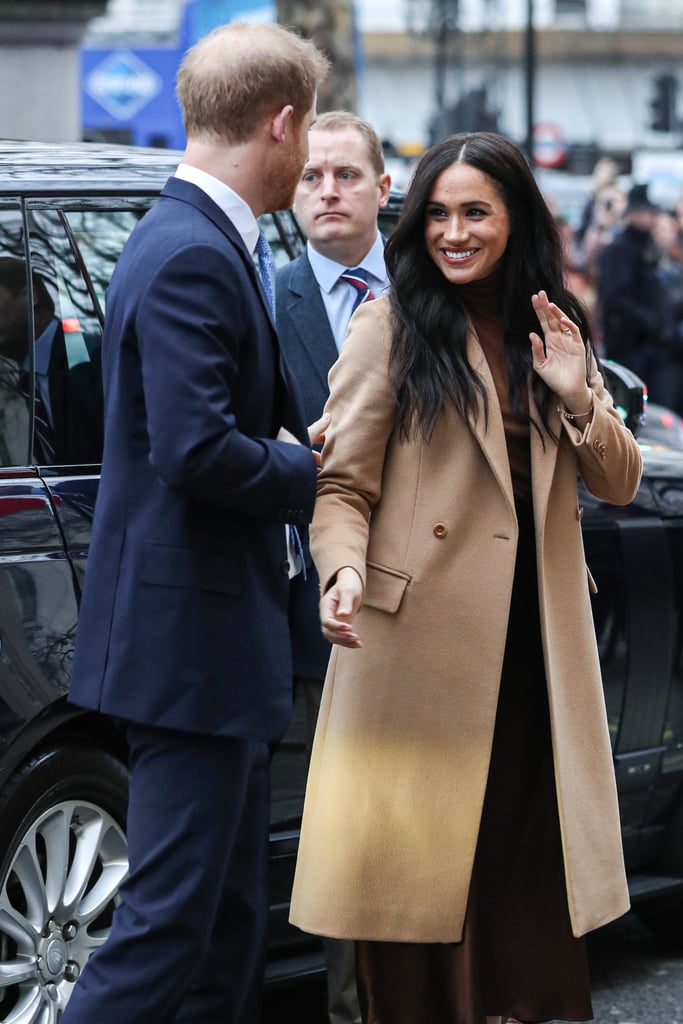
(401, 753)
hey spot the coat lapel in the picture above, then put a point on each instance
(544, 450)
(309, 319)
(491, 435)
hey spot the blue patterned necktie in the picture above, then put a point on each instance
(266, 269)
(358, 279)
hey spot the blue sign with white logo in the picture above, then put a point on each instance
(128, 95)
(123, 84)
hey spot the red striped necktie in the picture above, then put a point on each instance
(358, 279)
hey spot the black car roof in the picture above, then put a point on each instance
(85, 168)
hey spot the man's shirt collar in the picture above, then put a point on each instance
(238, 212)
(327, 271)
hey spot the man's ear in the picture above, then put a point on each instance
(278, 124)
(384, 184)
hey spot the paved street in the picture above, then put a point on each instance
(636, 980)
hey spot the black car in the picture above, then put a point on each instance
(65, 213)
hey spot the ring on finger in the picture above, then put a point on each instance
(567, 330)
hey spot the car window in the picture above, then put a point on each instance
(99, 235)
(73, 250)
(51, 320)
(15, 357)
(284, 235)
(67, 333)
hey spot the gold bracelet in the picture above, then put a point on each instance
(575, 415)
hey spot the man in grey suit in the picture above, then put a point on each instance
(343, 185)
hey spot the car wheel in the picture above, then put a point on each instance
(63, 856)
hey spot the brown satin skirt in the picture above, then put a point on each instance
(518, 957)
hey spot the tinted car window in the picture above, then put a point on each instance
(68, 338)
(14, 341)
(99, 235)
(74, 246)
(284, 236)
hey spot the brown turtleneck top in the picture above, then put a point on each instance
(482, 301)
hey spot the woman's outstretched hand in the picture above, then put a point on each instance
(339, 606)
(560, 356)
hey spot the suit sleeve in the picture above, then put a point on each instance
(362, 411)
(192, 324)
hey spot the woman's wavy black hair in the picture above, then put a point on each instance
(428, 362)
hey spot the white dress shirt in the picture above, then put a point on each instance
(236, 209)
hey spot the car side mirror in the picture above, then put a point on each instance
(629, 393)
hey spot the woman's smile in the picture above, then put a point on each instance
(458, 255)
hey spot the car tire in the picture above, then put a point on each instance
(63, 856)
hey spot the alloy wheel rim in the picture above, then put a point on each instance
(56, 904)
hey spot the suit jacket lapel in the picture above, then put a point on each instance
(308, 315)
(177, 188)
(186, 192)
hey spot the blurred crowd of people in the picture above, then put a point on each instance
(625, 260)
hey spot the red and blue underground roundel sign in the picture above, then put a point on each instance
(550, 145)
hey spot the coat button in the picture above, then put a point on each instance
(285, 568)
(440, 530)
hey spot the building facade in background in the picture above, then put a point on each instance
(607, 72)
(596, 71)
(39, 67)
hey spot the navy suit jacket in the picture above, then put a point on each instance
(184, 613)
(310, 349)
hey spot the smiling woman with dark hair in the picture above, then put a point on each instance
(431, 321)
(461, 821)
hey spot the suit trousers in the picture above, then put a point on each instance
(188, 939)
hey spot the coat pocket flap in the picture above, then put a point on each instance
(384, 588)
(165, 565)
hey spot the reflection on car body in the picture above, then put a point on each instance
(65, 213)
